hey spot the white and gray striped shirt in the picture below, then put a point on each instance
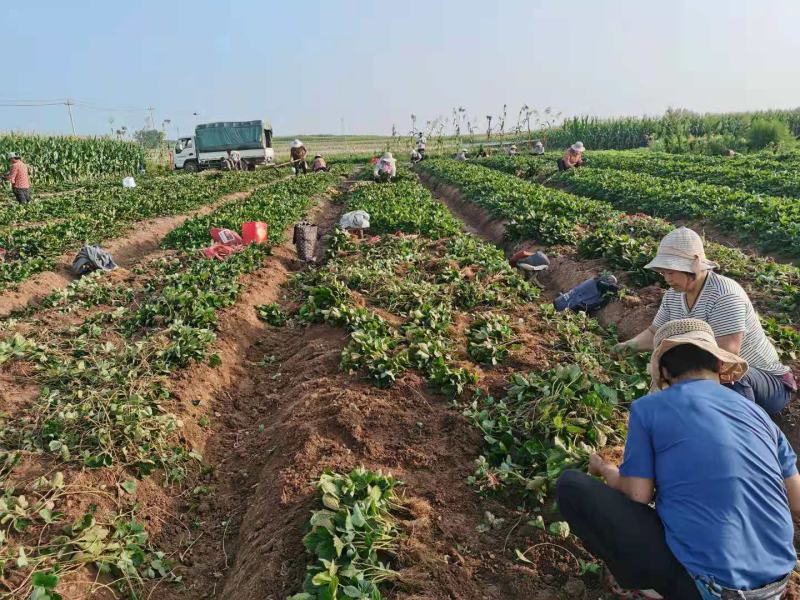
(724, 305)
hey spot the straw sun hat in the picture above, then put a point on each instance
(578, 147)
(681, 250)
(700, 334)
(297, 144)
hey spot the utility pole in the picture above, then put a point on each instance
(152, 118)
(69, 103)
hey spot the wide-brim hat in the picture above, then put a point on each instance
(297, 144)
(578, 147)
(698, 333)
(12, 155)
(318, 156)
(682, 250)
(387, 156)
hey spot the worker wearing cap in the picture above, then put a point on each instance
(573, 157)
(319, 164)
(297, 153)
(696, 291)
(726, 478)
(386, 168)
(461, 156)
(17, 176)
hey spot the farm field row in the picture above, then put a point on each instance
(91, 369)
(642, 182)
(626, 242)
(758, 176)
(36, 234)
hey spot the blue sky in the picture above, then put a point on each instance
(308, 65)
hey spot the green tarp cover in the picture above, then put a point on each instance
(232, 135)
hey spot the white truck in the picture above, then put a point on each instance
(212, 142)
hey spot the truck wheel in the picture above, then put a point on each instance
(190, 166)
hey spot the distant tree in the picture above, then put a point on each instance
(768, 133)
(151, 139)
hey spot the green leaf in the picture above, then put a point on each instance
(330, 501)
(559, 529)
(47, 580)
(538, 522)
(129, 486)
(22, 559)
(522, 557)
(214, 361)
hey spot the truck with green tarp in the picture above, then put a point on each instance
(212, 144)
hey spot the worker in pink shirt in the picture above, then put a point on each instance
(18, 177)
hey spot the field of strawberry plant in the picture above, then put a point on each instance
(416, 313)
(771, 178)
(58, 159)
(36, 234)
(773, 223)
(97, 356)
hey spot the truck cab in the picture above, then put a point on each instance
(212, 142)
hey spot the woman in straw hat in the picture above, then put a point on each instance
(696, 291)
(726, 477)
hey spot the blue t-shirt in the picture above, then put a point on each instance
(719, 463)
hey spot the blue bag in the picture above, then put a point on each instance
(592, 294)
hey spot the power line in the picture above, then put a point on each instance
(69, 103)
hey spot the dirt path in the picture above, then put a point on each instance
(141, 243)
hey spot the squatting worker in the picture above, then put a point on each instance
(538, 147)
(573, 157)
(17, 176)
(319, 164)
(297, 153)
(696, 291)
(386, 168)
(726, 477)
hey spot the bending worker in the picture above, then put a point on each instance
(17, 176)
(696, 291)
(573, 157)
(726, 478)
(538, 148)
(386, 168)
(319, 164)
(297, 153)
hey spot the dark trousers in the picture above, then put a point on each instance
(765, 389)
(300, 165)
(628, 536)
(23, 195)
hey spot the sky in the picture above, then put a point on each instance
(360, 67)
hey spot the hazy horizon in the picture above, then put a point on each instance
(358, 68)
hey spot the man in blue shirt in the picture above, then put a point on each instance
(726, 478)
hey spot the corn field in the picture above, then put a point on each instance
(56, 159)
